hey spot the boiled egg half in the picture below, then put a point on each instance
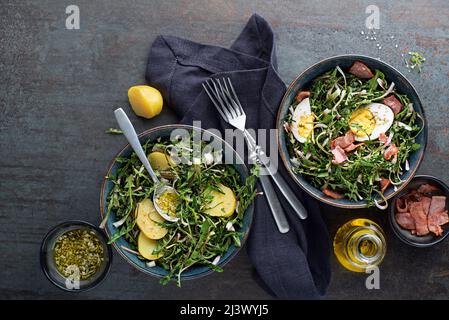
(368, 122)
(302, 124)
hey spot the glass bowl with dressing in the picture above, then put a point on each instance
(75, 256)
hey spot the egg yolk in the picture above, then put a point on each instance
(305, 125)
(362, 122)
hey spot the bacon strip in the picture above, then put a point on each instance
(436, 220)
(390, 152)
(383, 138)
(427, 188)
(405, 220)
(360, 70)
(418, 214)
(344, 141)
(353, 146)
(339, 155)
(437, 215)
(393, 103)
(332, 194)
(384, 183)
(342, 145)
(401, 205)
(438, 204)
(426, 204)
(302, 95)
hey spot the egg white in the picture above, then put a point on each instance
(303, 109)
(383, 115)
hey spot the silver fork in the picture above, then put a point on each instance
(226, 101)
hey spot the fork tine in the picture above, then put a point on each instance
(231, 102)
(210, 93)
(236, 98)
(226, 97)
(220, 97)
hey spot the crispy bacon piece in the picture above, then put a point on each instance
(332, 194)
(393, 103)
(302, 95)
(413, 195)
(434, 223)
(440, 218)
(391, 151)
(427, 188)
(438, 204)
(401, 205)
(420, 218)
(405, 220)
(342, 145)
(353, 146)
(339, 155)
(344, 141)
(360, 70)
(384, 183)
(386, 140)
(437, 215)
(426, 204)
(436, 220)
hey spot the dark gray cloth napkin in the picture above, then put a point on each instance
(289, 266)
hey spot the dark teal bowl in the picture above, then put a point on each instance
(157, 271)
(345, 61)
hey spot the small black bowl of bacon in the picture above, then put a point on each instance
(419, 213)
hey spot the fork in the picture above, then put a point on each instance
(226, 101)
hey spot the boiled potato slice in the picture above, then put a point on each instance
(160, 161)
(145, 101)
(146, 246)
(223, 204)
(147, 216)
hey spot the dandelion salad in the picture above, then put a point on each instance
(351, 132)
(210, 203)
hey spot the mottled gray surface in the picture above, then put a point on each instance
(58, 89)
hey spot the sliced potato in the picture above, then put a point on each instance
(146, 246)
(223, 204)
(160, 161)
(147, 216)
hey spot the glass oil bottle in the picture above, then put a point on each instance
(360, 244)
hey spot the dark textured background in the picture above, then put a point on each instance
(58, 89)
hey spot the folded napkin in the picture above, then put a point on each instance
(294, 265)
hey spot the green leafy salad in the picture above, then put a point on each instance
(210, 205)
(350, 133)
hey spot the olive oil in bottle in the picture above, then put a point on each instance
(360, 244)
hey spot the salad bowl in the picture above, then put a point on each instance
(120, 244)
(303, 81)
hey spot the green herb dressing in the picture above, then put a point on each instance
(79, 248)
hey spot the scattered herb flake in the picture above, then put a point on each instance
(416, 60)
(114, 131)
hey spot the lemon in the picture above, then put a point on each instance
(145, 101)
